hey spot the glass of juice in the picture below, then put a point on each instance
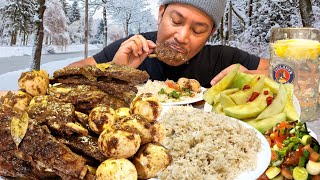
(294, 58)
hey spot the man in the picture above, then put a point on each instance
(185, 25)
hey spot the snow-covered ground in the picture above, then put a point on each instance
(8, 51)
(9, 81)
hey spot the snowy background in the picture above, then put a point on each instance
(246, 25)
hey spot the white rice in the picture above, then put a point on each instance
(155, 86)
(206, 145)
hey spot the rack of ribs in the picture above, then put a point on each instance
(41, 148)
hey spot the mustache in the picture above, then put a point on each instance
(175, 46)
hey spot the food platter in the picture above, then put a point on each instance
(263, 156)
(198, 97)
(157, 88)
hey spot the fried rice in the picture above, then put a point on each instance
(207, 145)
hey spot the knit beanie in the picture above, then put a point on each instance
(213, 8)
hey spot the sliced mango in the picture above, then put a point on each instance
(250, 109)
(256, 85)
(277, 105)
(263, 125)
(226, 101)
(216, 98)
(242, 79)
(217, 108)
(272, 85)
(292, 114)
(221, 85)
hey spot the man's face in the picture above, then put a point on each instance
(185, 28)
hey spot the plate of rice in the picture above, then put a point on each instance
(170, 94)
(205, 145)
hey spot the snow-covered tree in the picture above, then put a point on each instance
(66, 8)
(55, 24)
(18, 18)
(98, 37)
(127, 12)
(74, 14)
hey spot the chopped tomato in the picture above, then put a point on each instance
(278, 142)
(286, 173)
(274, 156)
(292, 159)
(283, 124)
(314, 156)
(281, 134)
(173, 85)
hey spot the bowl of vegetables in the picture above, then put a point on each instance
(295, 153)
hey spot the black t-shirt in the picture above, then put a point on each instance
(203, 66)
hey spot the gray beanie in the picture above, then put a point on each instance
(213, 8)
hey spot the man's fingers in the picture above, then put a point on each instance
(218, 77)
(224, 72)
(144, 44)
(265, 72)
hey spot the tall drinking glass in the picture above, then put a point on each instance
(294, 58)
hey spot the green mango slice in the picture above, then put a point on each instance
(242, 79)
(263, 125)
(223, 84)
(216, 98)
(292, 114)
(277, 105)
(256, 85)
(217, 108)
(226, 101)
(272, 85)
(251, 109)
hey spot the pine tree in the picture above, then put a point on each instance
(66, 8)
(75, 12)
(98, 38)
(18, 16)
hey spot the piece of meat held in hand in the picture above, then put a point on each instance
(164, 52)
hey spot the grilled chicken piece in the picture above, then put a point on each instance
(34, 82)
(45, 151)
(165, 53)
(120, 72)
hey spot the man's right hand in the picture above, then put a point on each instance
(133, 51)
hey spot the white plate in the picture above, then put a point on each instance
(196, 98)
(263, 157)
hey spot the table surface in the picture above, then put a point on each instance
(315, 127)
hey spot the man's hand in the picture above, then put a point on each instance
(262, 69)
(133, 51)
(224, 72)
